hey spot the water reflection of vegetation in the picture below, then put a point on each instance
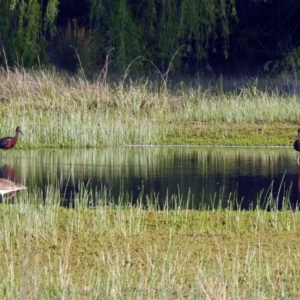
(141, 160)
(129, 172)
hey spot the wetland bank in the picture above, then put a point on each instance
(133, 253)
(124, 251)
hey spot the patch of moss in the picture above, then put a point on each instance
(231, 134)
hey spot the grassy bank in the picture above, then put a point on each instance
(129, 253)
(56, 110)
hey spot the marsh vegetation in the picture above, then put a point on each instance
(125, 251)
(57, 110)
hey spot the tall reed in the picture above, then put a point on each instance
(59, 110)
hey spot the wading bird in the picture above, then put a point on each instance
(9, 142)
(297, 146)
(7, 186)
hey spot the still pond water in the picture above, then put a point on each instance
(188, 177)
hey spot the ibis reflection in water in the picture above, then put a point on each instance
(9, 142)
(9, 187)
(297, 146)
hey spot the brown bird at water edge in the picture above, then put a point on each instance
(9, 142)
(297, 146)
(7, 186)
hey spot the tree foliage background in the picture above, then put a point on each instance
(217, 37)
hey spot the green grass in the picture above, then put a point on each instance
(55, 110)
(127, 252)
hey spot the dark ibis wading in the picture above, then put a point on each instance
(9, 142)
(297, 142)
(297, 146)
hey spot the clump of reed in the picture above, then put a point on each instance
(59, 110)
